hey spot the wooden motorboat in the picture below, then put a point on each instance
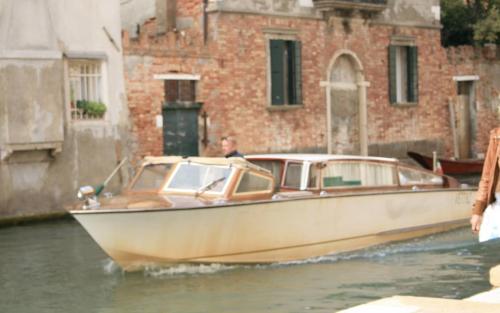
(267, 208)
(450, 166)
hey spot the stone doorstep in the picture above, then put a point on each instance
(404, 304)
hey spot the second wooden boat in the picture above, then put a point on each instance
(450, 166)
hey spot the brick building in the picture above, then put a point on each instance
(361, 77)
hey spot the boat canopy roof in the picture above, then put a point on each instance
(232, 162)
(317, 157)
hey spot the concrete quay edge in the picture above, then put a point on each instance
(484, 302)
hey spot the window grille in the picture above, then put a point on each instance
(85, 80)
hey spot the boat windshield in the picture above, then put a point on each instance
(408, 176)
(199, 178)
(151, 177)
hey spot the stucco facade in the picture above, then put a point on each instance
(45, 152)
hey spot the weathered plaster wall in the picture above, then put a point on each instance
(411, 13)
(134, 13)
(34, 115)
(268, 7)
(34, 108)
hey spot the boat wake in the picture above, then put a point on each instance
(111, 267)
(459, 240)
(189, 269)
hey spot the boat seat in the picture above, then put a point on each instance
(336, 181)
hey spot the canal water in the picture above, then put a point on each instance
(56, 267)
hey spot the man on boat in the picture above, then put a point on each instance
(229, 147)
(489, 180)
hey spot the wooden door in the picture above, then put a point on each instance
(180, 130)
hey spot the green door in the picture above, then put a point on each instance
(180, 130)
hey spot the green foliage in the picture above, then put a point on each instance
(488, 30)
(457, 20)
(91, 108)
(470, 22)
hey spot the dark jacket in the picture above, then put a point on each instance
(489, 178)
(234, 154)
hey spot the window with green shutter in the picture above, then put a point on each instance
(403, 74)
(285, 72)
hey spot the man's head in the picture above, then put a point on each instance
(228, 144)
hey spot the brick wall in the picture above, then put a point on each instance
(233, 85)
(483, 62)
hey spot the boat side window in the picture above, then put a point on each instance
(353, 173)
(409, 176)
(251, 182)
(293, 175)
(312, 182)
(192, 177)
(151, 177)
(274, 166)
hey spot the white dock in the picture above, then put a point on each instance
(485, 302)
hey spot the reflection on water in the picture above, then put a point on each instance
(56, 267)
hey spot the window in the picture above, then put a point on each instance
(179, 91)
(346, 174)
(199, 177)
(313, 176)
(86, 94)
(275, 167)
(152, 177)
(251, 182)
(408, 177)
(285, 68)
(403, 71)
(293, 175)
(464, 88)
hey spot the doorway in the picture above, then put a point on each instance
(346, 105)
(464, 111)
(180, 114)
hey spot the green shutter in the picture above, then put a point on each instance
(290, 71)
(277, 72)
(412, 74)
(296, 76)
(392, 75)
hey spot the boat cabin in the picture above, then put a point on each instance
(261, 176)
(221, 178)
(330, 173)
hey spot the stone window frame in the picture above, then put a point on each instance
(99, 61)
(287, 35)
(411, 71)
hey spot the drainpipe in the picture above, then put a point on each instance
(363, 117)
(328, 90)
(171, 15)
(205, 22)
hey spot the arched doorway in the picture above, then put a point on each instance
(346, 105)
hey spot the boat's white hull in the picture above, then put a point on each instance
(273, 231)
